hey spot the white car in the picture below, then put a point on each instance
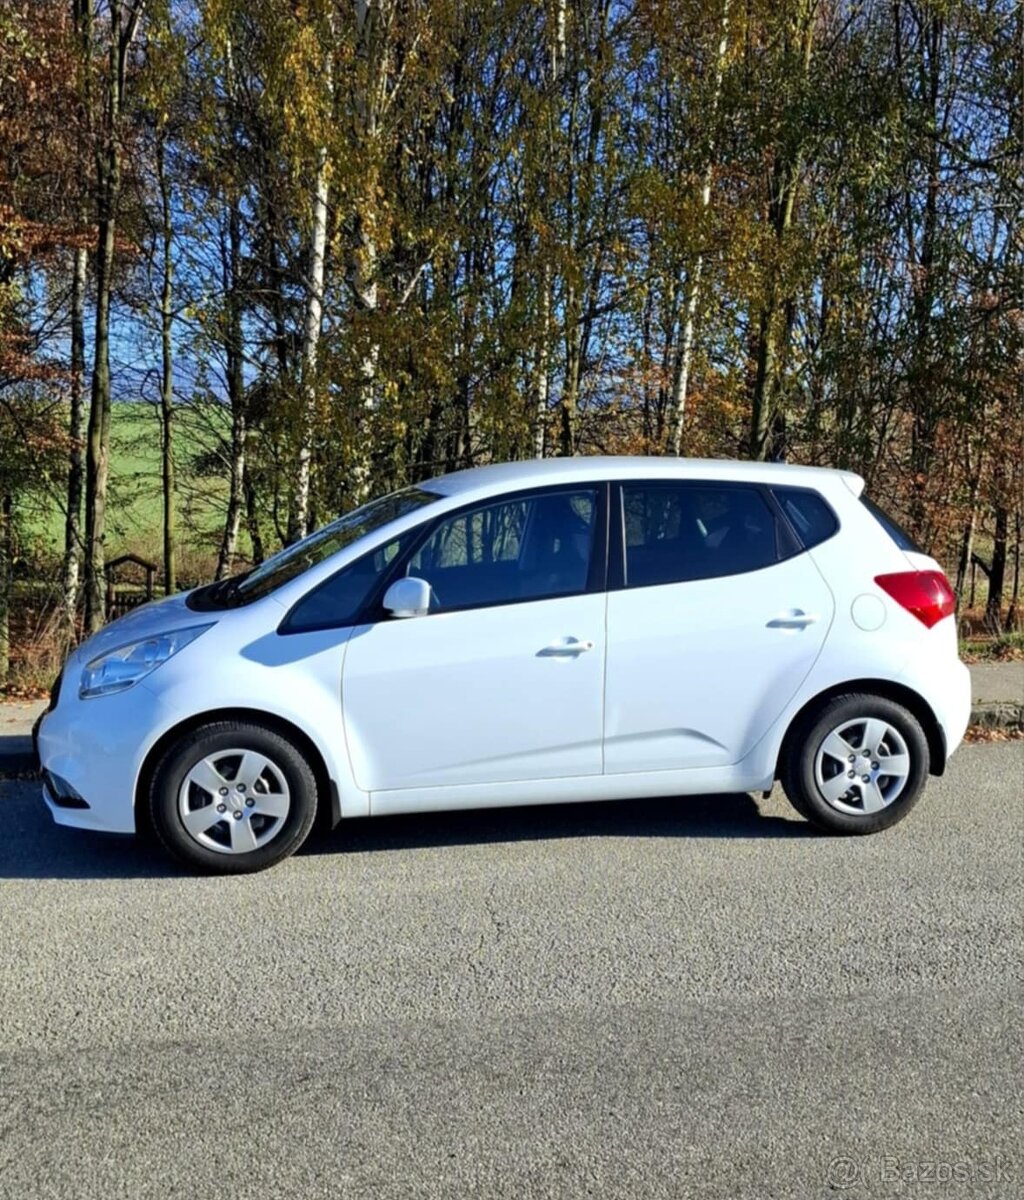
(570, 629)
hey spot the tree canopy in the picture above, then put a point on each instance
(390, 238)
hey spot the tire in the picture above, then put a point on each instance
(232, 797)
(836, 786)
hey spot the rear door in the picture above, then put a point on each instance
(717, 619)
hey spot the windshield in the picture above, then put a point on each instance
(295, 559)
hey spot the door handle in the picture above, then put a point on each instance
(569, 645)
(797, 619)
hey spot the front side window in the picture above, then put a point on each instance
(680, 532)
(526, 548)
(339, 600)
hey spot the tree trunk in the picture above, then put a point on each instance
(997, 571)
(76, 462)
(1013, 615)
(762, 408)
(541, 364)
(571, 379)
(6, 560)
(684, 360)
(236, 493)
(298, 520)
(554, 68)
(167, 379)
(252, 516)
(583, 277)
(773, 322)
(233, 352)
(361, 264)
(98, 460)
(966, 551)
(123, 22)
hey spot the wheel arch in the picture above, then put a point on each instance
(328, 801)
(889, 690)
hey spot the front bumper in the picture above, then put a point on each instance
(94, 749)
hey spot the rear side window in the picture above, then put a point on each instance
(811, 518)
(896, 531)
(676, 533)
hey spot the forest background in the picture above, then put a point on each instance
(262, 260)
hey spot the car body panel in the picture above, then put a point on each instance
(99, 745)
(441, 700)
(698, 671)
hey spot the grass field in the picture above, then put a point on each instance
(135, 504)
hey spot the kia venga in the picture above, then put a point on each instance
(525, 633)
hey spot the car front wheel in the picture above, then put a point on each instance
(856, 766)
(232, 797)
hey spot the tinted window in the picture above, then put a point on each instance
(898, 534)
(521, 549)
(809, 515)
(695, 531)
(338, 600)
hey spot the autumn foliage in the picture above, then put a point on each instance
(383, 240)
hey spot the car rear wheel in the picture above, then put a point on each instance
(856, 766)
(232, 797)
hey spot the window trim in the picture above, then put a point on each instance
(617, 576)
(373, 611)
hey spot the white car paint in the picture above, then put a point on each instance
(680, 688)
(727, 654)
(459, 698)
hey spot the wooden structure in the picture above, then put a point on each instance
(121, 600)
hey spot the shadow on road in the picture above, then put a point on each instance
(33, 847)
(731, 816)
(16, 752)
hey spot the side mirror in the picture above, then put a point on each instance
(408, 597)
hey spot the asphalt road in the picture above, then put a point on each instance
(690, 998)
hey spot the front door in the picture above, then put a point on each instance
(503, 679)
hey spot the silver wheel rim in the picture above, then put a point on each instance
(862, 766)
(234, 801)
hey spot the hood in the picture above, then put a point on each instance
(158, 616)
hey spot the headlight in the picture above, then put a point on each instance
(120, 669)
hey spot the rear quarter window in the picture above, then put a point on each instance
(812, 519)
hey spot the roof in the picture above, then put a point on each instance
(130, 558)
(589, 469)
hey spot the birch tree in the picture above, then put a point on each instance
(684, 355)
(124, 17)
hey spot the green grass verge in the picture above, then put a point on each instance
(135, 501)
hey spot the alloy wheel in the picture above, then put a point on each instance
(862, 766)
(234, 801)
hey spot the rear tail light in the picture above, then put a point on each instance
(926, 594)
